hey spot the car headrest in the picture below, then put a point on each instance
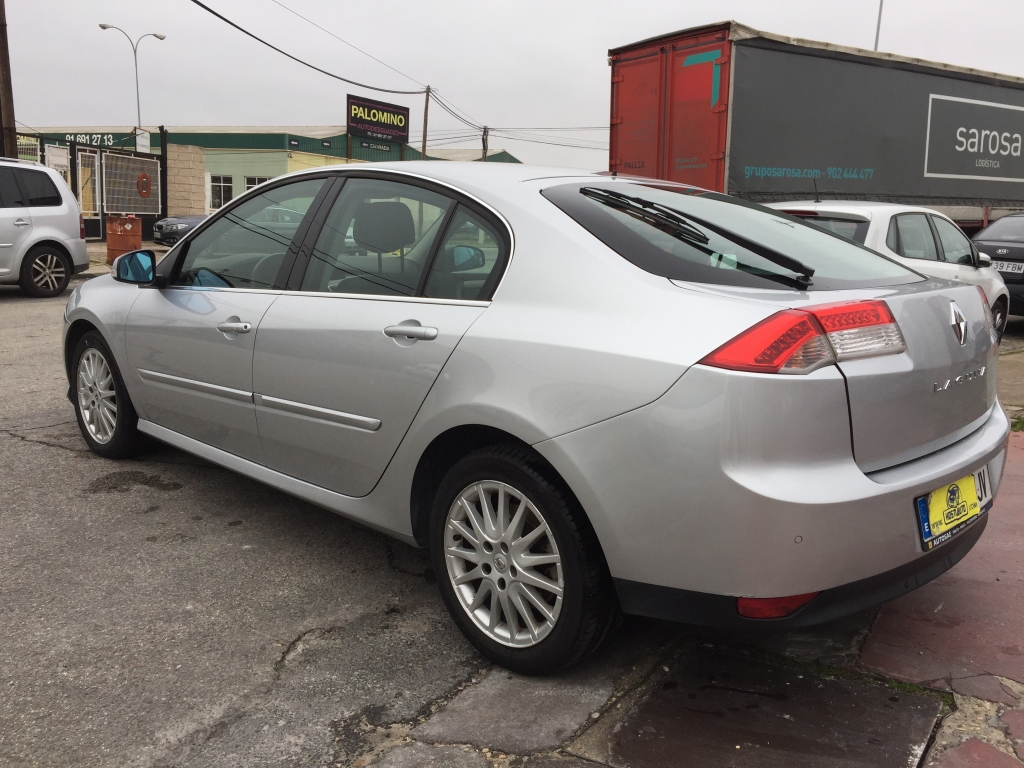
(383, 226)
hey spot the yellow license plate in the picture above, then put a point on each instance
(946, 511)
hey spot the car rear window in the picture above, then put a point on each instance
(736, 242)
(848, 228)
(1008, 228)
(39, 189)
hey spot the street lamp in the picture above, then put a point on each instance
(135, 53)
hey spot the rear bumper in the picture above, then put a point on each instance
(707, 610)
(739, 484)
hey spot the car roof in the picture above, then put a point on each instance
(860, 207)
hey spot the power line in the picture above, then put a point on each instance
(346, 42)
(226, 20)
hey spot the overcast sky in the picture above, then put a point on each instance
(524, 64)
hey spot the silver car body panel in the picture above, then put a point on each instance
(194, 371)
(694, 477)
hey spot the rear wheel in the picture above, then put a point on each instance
(999, 317)
(105, 413)
(45, 272)
(518, 565)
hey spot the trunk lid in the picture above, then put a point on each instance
(938, 391)
(907, 405)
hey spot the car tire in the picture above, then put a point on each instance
(103, 408)
(551, 590)
(1000, 317)
(45, 272)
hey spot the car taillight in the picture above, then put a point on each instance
(798, 341)
(860, 329)
(989, 320)
(772, 607)
(81, 226)
(790, 341)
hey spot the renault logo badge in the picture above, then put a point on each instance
(958, 322)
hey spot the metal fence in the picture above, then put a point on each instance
(28, 148)
(131, 184)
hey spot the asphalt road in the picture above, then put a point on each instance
(167, 612)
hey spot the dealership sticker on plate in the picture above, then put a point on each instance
(946, 511)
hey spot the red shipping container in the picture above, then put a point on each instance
(670, 107)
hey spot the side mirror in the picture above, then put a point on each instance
(467, 257)
(984, 260)
(134, 267)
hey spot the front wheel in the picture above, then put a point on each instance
(105, 413)
(999, 318)
(45, 272)
(517, 562)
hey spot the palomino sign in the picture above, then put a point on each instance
(377, 120)
(969, 139)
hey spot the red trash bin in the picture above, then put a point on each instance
(124, 234)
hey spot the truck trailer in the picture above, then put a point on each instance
(766, 117)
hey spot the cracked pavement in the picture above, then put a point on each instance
(166, 612)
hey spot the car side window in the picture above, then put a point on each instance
(10, 192)
(915, 238)
(245, 247)
(376, 239)
(892, 240)
(955, 245)
(469, 261)
(39, 188)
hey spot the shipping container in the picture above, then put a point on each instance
(767, 117)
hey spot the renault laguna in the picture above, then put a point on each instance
(586, 395)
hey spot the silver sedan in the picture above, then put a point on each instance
(585, 394)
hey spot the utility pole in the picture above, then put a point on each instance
(426, 109)
(486, 132)
(7, 124)
(878, 27)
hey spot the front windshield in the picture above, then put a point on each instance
(747, 244)
(1009, 228)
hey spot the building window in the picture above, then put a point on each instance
(254, 181)
(221, 190)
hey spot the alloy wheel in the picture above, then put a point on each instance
(503, 563)
(998, 319)
(48, 272)
(97, 398)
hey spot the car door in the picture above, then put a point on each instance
(15, 222)
(190, 344)
(956, 250)
(396, 276)
(912, 236)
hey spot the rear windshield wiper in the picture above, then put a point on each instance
(653, 213)
(662, 216)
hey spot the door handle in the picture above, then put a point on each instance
(421, 332)
(20, 223)
(234, 327)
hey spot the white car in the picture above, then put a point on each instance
(42, 233)
(922, 239)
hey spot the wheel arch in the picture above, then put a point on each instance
(49, 242)
(75, 332)
(443, 452)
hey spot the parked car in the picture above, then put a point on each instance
(583, 394)
(42, 233)
(1003, 242)
(923, 239)
(170, 230)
